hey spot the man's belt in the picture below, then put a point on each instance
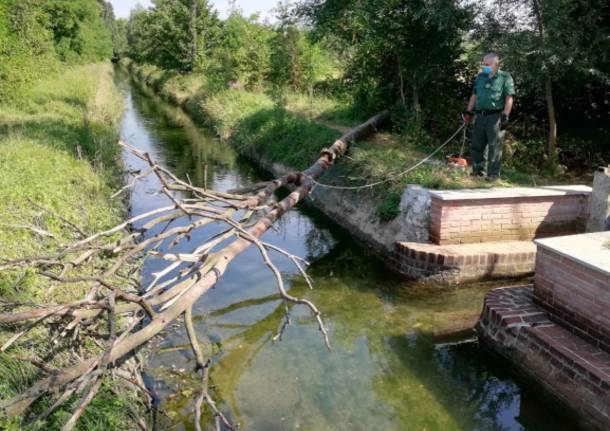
(486, 113)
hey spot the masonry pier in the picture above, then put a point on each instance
(557, 331)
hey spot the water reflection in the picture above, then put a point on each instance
(390, 369)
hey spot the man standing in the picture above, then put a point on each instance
(489, 107)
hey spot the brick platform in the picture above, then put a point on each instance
(452, 264)
(502, 214)
(572, 371)
(572, 282)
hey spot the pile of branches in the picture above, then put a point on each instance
(114, 289)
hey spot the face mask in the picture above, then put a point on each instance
(487, 70)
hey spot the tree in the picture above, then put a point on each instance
(120, 45)
(174, 34)
(558, 52)
(137, 34)
(160, 302)
(242, 52)
(26, 48)
(291, 59)
(395, 49)
(82, 29)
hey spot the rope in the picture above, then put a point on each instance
(398, 175)
(463, 142)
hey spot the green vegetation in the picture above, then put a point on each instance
(47, 125)
(188, 36)
(271, 88)
(106, 411)
(58, 161)
(58, 149)
(250, 120)
(37, 36)
(424, 54)
(26, 51)
(389, 208)
(294, 134)
(72, 114)
(81, 29)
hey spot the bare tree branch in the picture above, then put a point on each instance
(113, 286)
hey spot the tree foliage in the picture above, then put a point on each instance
(297, 62)
(35, 35)
(242, 51)
(239, 51)
(397, 50)
(120, 46)
(573, 50)
(174, 34)
(26, 48)
(81, 29)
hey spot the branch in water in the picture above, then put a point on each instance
(113, 287)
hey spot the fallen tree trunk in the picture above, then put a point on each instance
(200, 270)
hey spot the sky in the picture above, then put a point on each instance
(122, 7)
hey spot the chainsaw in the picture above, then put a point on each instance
(456, 161)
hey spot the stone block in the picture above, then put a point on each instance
(599, 212)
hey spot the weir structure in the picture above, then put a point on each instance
(478, 234)
(557, 330)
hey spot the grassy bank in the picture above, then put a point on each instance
(251, 121)
(58, 156)
(293, 132)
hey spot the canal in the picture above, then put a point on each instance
(392, 366)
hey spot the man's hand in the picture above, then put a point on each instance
(503, 121)
(468, 116)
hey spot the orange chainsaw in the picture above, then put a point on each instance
(456, 161)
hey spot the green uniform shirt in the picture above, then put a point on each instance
(491, 92)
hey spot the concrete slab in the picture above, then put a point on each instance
(510, 192)
(590, 249)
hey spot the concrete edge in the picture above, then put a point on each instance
(510, 192)
(543, 243)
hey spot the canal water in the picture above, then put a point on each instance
(392, 366)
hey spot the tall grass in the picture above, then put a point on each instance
(73, 114)
(58, 148)
(323, 108)
(226, 110)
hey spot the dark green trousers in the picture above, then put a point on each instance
(487, 142)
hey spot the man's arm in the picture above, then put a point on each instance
(468, 116)
(508, 105)
(509, 92)
(472, 101)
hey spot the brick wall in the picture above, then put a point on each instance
(457, 264)
(573, 372)
(502, 219)
(578, 296)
